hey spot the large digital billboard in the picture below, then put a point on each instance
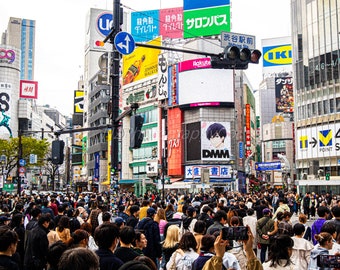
(284, 98)
(215, 139)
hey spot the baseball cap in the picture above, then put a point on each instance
(151, 211)
(4, 218)
(119, 221)
(266, 211)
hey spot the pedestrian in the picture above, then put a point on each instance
(308, 231)
(124, 251)
(185, 255)
(36, 247)
(285, 226)
(220, 219)
(140, 243)
(9, 240)
(323, 212)
(263, 226)
(280, 253)
(302, 248)
(79, 258)
(132, 220)
(325, 245)
(250, 221)
(151, 230)
(170, 244)
(107, 238)
(63, 229)
(306, 205)
(205, 253)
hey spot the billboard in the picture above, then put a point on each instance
(78, 101)
(215, 141)
(141, 63)
(277, 55)
(145, 25)
(318, 141)
(205, 85)
(205, 18)
(268, 166)
(171, 22)
(175, 160)
(193, 141)
(284, 98)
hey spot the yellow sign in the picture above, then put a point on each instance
(277, 55)
(142, 63)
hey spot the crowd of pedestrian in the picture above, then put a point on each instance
(181, 232)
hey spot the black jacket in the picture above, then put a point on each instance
(132, 221)
(107, 260)
(36, 248)
(151, 231)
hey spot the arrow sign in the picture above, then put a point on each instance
(124, 43)
(314, 142)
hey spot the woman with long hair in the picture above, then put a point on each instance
(63, 229)
(170, 244)
(79, 238)
(185, 254)
(160, 219)
(169, 211)
(280, 253)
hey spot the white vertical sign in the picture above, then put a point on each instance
(162, 80)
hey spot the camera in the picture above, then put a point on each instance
(328, 261)
(235, 233)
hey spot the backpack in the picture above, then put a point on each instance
(185, 263)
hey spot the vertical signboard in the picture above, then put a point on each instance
(284, 94)
(205, 18)
(5, 105)
(248, 134)
(215, 138)
(162, 81)
(173, 86)
(96, 167)
(175, 159)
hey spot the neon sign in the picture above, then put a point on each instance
(7, 56)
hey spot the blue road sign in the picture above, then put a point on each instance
(124, 43)
(22, 162)
(268, 166)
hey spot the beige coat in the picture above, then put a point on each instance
(301, 252)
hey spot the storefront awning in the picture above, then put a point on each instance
(127, 181)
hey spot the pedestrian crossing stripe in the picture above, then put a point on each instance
(325, 138)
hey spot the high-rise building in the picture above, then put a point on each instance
(316, 44)
(20, 33)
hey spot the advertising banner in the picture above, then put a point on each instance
(28, 89)
(145, 25)
(175, 160)
(78, 101)
(284, 94)
(142, 63)
(215, 138)
(171, 22)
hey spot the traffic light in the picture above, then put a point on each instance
(328, 175)
(58, 152)
(136, 135)
(235, 58)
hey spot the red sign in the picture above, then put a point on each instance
(28, 89)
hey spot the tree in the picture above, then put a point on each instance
(30, 145)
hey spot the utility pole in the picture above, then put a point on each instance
(114, 74)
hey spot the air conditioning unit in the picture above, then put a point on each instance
(304, 176)
(321, 172)
(310, 177)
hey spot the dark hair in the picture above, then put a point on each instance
(87, 227)
(44, 218)
(328, 227)
(105, 235)
(54, 253)
(106, 216)
(216, 129)
(279, 250)
(286, 214)
(64, 222)
(250, 211)
(7, 238)
(200, 226)
(279, 216)
(138, 236)
(235, 221)
(16, 220)
(134, 265)
(336, 211)
(322, 211)
(188, 241)
(207, 242)
(219, 215)
(127, 234)
(61, 208)
(78, 258)
(298, 229)
(35, 212)
(147, 261)
(133, 209)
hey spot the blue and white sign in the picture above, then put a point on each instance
(124, 43)
(268, 166)
(241, 41)
(240, 150)
(104, 23)
(22, 162)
